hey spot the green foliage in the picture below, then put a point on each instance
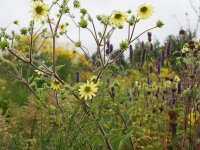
(3, 45)
(57, 98)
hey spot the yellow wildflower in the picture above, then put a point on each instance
(62, 27)
(39, 10)
(117, 18)
(145, 11)
(88, 90)
(55, 85)
(176, 79)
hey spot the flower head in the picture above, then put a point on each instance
(103, 18)
(176, 79)
(145, 11)
(16, 22)
(123, 45)
(83, 23)
(62, 27)
(55, 84)
(76, 4)
(185, 50)
(159, 24)
(39, 10)
(117, 18)
(88, 90)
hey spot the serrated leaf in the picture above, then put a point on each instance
(59, 67)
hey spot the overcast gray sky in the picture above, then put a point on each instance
(163, 10)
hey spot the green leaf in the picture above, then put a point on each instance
(117, 144)
(99, 139)
(116, 131)
(59, 67)
(30, 79)
(3, 44)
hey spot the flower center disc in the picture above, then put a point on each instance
(56, 83)
(39, 10)
(143, 9)
(87, 89)
(118, 16)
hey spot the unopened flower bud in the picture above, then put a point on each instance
(83, 23)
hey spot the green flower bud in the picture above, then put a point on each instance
(83, 23)
(61, 33)
(159, 24)
(104, 19)
(120, 27)
(100, 34)
(90, 18)
(78, 44)
(66, 10)
(123, 45)
(16, 22)
(132, 20)
(83, 11)
(23, 31)
(76, 4)
(99, 17)
(129, 11)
